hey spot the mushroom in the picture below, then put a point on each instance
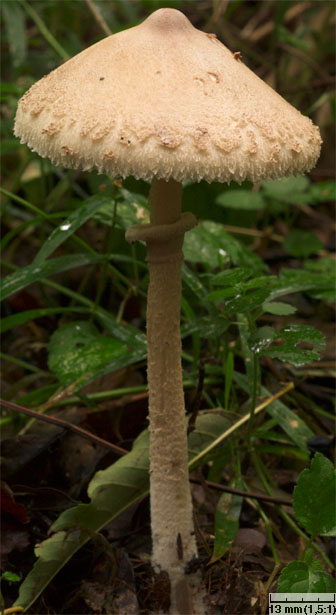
(165, 102)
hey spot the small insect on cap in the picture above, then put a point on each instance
(164, 99)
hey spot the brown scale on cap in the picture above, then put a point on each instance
(180, 79)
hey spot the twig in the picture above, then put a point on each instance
(98, 17)
(239, 423)
(65, 425)
(240, 230)
(245, 494)
(319, 83)
(196, 403)
(265, 29)
(305, 58)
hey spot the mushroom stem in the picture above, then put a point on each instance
(173, 537)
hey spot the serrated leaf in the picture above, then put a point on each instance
(315, 497)
(208, 327)
(325, 265)
(78, 353)
(302, 243)
(33, 273)
(290, 337)
(248, 302)
(223, 293)
(261, 338)
(246, 294)
(295, 280)
(210, 244)
(298, 578)
(227, 515)
(278, 308)
(112, 491)
(71, 224)
(241, 199)
(230, 277)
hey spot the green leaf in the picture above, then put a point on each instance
(298, 578)
(282, 451)
(111, 492)
(71, 224)
(230, 277)
(290, 423)
(293, 39)
(134, 338)
(259, 289)
(289, 337)
(210, 244)
(229, 369)
(322, 192)
(288, 190)
(77, 352)
(296, 280)
(261, 339)
(223, 293)
(14, 18)
(325, 265)
(248, 302)
(226, 521)
(302, 243)
(132, 210)
(241, 199)
(10, 576)
(252, 380)
(33, 273)
(38, 396)
(278, 308)
(208, 327)
(315, 497)
(16, 320)
(193, 283)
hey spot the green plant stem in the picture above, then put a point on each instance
(308, 540)
(260, 473)
(135, 264)
(26, 381)
(196, 341)
(269, 532)
(15, 231)
(23, 364)
(253, 396)
(45, 31)
(103, 267)
(287, 518)
(255, 377)
(25, 203)
(83, 244)
(116, 393)
(239, 423)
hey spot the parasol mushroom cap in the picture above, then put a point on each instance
(165, 100)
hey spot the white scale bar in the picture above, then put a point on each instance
(301, 604)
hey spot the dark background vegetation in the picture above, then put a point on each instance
(290, 45)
